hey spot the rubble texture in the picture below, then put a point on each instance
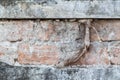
(49, 73)
(37, 35)
(40, 42)
(31, 49)
(52, 41)
(59, 9)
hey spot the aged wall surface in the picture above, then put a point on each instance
(52, 41)
(59, 8)
(59, 40)
(49, 73)
(31, 44)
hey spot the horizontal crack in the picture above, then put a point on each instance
(14, 41)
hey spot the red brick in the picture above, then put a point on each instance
(107, 29)
(46, 54)
(8, 53)
(97, 55)
(114, 52)
(15, 30)
(1, 54)
(56, 31)
(48, 29)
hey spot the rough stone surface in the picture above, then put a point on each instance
(101, 53)
(50, 73)
(59, 9)
(30, 49)
(108, 30)
(36, 41)
(97, 55)
(40, 42)
(52, 41)
(114, 52)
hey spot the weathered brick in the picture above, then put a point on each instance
(8, 52)
(114, 52)
(52, 42)
(48, 42)
(44, 54)
(102, 53)
(108, 30)
(15, 30)
(46, 30)
(57, 31)
(97, 55)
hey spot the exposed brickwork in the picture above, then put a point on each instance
(59, 40)
(108, 30)
(97, 55)
(51, 41)
(40, 42)
(44, 54)
(114, 51)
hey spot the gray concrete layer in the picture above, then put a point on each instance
(8, 72)
(59, 9)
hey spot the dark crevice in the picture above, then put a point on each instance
(14, 41)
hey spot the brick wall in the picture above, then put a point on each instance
(52, 41)
(37, 47)
(59, 40)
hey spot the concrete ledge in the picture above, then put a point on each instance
(59, 9)
(49, 73)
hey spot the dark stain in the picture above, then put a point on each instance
(49, 75)
(14, 2)
(46, 2)
(8, 72)
(5, 65)
(78, 0)
(71, 71)
(8, 2)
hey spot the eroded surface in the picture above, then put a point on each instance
(59, 9)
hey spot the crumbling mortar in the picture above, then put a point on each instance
(87, 24)
(87, 40)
